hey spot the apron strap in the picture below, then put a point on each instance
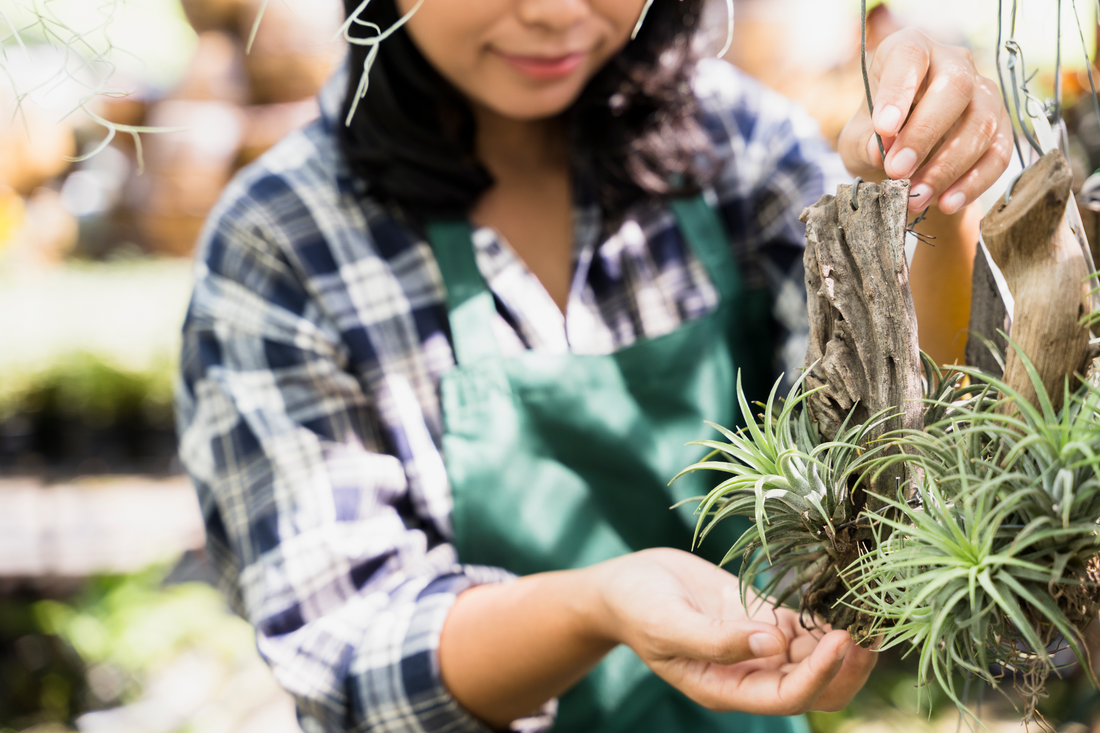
(470, 306)
(706, 236)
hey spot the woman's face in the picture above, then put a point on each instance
(523, 59)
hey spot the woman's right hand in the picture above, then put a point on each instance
(683, 616)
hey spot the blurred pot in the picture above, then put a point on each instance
(185, 171)
(213, 15)
(295, 49)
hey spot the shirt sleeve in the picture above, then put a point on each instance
(775, 164)
(309, 521)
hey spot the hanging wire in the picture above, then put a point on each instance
(866, 80)
(1088, 60)
(1014, 52)
(1011, 185)
(1001, 79)
(1057, 113)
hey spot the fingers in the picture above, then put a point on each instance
(900, 65)
(853, 674)
(696, 636)
(859, 149)
(801, 687)
(949, 91)
(827, 677)
(971, 158)
(943, 125)
(790, 689)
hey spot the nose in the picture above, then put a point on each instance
(554, 14)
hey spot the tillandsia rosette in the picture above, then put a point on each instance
(985, 562)
(797, 487)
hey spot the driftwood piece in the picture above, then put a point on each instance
(1046, 269)
(863, 328)
(988, 319)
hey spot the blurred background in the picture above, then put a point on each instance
(107, 619)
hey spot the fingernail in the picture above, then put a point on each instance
(904, 163)
(764, 645)
(889, 119)
(920, 197)
(951, 203)
(843, 650)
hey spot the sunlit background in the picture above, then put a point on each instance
(107, 622)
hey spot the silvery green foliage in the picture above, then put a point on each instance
(67, 52)
(793, 484)
(996, 565)
(985, 563)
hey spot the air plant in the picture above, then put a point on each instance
(984, 563)
(998, 562)
(797, 488)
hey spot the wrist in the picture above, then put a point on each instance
(593, 616)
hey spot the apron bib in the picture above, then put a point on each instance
(562, 461)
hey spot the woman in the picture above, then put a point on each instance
(467, 336)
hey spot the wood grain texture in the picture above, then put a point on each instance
(1046, 269)
(863, 350)
(863, 328)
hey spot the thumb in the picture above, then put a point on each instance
(859, 148)
(697, 636)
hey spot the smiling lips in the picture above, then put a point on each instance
(543, 67)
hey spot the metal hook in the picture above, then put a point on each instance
(855, 192)
(1014, 50)
(911, 228)
(1011, 184)
(1088, 61)
(1057, 111)
(920, 217)
(1001, 76)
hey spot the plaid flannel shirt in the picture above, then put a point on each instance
(309, 411)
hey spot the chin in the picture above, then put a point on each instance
(531, 101)
(528, 107)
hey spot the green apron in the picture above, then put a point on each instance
(562, 461)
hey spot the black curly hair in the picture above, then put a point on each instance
(634, 126)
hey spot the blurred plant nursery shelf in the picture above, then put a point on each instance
(96, 633)
(87, 354)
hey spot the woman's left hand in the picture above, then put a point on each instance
(943, 125)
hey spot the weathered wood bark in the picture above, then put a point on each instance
(1045, 266)
(988, 318)
(863, 328)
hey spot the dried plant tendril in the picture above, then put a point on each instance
(255, 26)
(86, 60)
(729, 25)
(15, 32)
(729, 29)
(373, 42)
(641, 19)
(113, 128)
